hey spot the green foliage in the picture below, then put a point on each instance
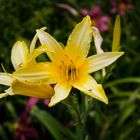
(57, 130)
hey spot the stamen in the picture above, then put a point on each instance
(68, 69)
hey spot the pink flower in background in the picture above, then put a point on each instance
(120, 7)
(98, 20)
(33, 101)
(23, 127)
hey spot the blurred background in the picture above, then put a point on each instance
(120, 119)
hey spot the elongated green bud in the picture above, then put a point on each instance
(117, 34)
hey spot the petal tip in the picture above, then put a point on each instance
(38, 31)
(121, 53)
(103, 96)
(19, 41)
(51, 104)
(106, 101)
(87, 20)
(87, 17)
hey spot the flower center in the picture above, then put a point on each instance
(68, 69)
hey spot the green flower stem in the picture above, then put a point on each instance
(87, 104)
(108, 73)
(80, 131)
(79, 110)
(79, 125)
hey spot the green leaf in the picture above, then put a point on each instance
(129, 110)
(11, 109)
(122, 81)
(126, 133)
(58, 131)
(117, 34)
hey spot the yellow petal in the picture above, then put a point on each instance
(37, 91)
(89, 87)
(78, 44)
(19, 54)
(100, 61)
(33, 43)
(97, 39)
(5, 79)
(34, 72)
(9, 91)
(98, 42)
(42, 49)
(50, 42)
(61, 92)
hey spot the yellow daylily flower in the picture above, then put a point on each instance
(71, 66)
(21, 58)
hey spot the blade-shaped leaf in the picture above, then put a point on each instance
(53, 126)
(127, 112)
